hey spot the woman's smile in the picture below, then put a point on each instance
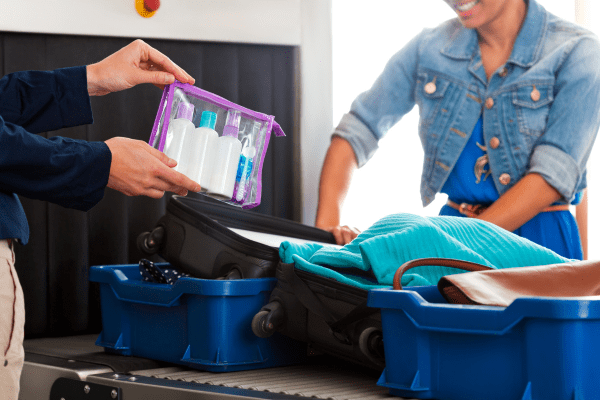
(463, 8)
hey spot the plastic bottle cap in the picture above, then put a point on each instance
(185, 110)
(232, 123)
(208, 120)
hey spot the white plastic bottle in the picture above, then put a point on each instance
(199, 150)
(179, 128)
(227, 158)
(244, 170)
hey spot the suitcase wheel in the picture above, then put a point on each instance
(268, 320)
(370, 343)
(150, 242)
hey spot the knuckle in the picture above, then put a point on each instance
(146, 182)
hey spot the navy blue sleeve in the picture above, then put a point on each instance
(72, 173)
(41, 101)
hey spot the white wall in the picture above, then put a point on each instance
(246, 21)
(316, 122)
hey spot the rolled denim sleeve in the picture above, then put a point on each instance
(561, 154)
(375, 111)
(360, 137)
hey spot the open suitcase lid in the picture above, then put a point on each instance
(243, 221)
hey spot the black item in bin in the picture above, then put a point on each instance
(195, 236)
(331, 316)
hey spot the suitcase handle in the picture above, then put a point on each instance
(435, 261)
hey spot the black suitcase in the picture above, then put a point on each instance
(331, 316)
(196, 236)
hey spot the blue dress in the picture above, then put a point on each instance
(556, 230)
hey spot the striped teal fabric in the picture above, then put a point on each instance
(373, 257)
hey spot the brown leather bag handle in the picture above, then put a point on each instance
(434, 261)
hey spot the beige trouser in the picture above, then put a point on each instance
(12, 322)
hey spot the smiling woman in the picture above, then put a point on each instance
(389, 182)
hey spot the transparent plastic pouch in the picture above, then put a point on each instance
(217, 143)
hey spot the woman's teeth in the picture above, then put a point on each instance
(466, 6)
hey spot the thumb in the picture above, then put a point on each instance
(162, 157)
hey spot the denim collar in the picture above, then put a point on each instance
(463, 44)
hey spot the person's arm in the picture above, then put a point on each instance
(356, 137)
(581, 216)
(74, 173)
(559, 159)
(68, 172)
(41, 101)
(336, 175)
(520, 203)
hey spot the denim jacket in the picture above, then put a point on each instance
(540, 109)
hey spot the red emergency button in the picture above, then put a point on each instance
(147, 8)
(151, 5)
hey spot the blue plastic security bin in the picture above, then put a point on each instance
(535, 349)
(204, 324)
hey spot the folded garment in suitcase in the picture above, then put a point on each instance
(211, 240)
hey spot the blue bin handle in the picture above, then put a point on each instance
(135, 291)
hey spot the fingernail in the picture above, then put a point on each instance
(198, 188)
(169, 78)
(172, 163)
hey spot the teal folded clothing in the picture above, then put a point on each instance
(372, 259)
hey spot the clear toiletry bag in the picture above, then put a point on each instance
(217, 143)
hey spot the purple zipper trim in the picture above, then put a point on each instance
(220, 101)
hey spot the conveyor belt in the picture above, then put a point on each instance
(312, 381)
(321, 377)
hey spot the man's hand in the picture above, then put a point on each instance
(134, 64)
(139, 169)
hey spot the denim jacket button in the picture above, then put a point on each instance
(535, 94)
(430, 88)
(503, 72)
(504, 179)
(494, 142)
(489, 103)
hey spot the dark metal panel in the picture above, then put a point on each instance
(286, 201)
(220, 71)
(256, 87)
(24, 52)
(65, 388)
